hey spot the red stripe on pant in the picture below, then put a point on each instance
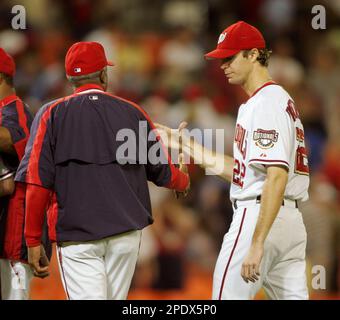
(62, 271)
(231, 254)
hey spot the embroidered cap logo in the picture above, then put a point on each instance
(221, 37)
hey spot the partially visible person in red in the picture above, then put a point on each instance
(15, 123)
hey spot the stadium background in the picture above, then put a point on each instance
(158, 49)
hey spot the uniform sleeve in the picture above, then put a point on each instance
(270, 137)
(36, 202)
(37, 166)
(17, 120)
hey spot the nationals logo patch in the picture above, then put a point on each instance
(265, 139)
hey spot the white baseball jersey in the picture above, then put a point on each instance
(269, 132)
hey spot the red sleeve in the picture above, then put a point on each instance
(36, 202)
(17, 121)
(179, 180)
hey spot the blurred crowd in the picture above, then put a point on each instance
(158, 50)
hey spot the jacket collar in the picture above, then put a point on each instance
(8, 99)
(88, 86)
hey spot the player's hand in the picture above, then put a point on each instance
(184, 168)
(172, 138)
(251, 264)
(38, 261)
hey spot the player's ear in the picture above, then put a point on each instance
(253, 54)
(103, 76)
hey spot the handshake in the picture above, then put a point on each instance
(214, 162)
(174, 139)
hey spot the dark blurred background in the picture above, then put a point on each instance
(158, 49)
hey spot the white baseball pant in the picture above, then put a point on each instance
(15, 280)
(101, 269)
(283, 266)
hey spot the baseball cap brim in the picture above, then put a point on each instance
(221, 53)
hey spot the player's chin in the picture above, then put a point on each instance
(233, 80)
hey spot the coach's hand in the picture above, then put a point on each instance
(184, 168)
(38, 261)
(251, 264)
(181, 159)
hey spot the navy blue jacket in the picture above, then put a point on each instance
(73, 150)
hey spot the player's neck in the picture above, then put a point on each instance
(256, 79)
(6, 91)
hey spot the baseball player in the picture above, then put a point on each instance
(6, 189)
(15, 121)
(102, 202)
(269, 175)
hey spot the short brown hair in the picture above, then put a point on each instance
(263, 58)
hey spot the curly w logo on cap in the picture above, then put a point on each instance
(241, 36)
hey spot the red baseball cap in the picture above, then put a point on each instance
(7, 64)
(85, 57)
(239, 36)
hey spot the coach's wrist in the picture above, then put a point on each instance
(32, 242)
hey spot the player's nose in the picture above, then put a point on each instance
(224, 65)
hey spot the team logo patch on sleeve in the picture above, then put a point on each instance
(265, 139)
